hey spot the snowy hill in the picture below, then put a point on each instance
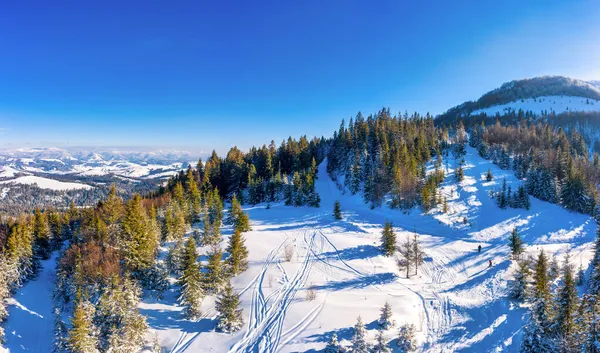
(540, 94)
(456, 302)
(543, 105)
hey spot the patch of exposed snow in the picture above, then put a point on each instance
(46, 183)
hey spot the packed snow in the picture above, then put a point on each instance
(45, 183)
(456, 301)
(556, 104)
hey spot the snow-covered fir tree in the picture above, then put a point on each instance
(237, 261)
(380, 346)
(214, 275)
(359, 338)
(406, 338)
(388, 239)
(333, 346)
(229, 318)
(190, 282)
(83, 333)
(385, 318)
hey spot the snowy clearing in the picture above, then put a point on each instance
(556, 104)
(45, 183)
(456, 302)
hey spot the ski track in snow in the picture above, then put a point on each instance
(268, 314)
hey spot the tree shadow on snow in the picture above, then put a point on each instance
(166, 319)
(496, 326)
(357, 283)
(356, 253)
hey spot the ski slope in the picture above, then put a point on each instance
(456, 302)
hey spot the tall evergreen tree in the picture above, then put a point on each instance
(388, 239)
(516, 244)
(82, 336)
(238, 253)
(229, 317)
(337, 211)
(190, 282)
(359, 338)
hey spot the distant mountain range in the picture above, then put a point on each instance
(90, 162)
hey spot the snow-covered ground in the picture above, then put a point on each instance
(30, 325)
(557, 104)
(46, 183)
(456, 302)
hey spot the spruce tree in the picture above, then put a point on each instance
(520, 284)
(337, 211)
(41, 232)
(406, 338)
(238, 253)
(333, 346)
(229, 318)
(359, 338)
(235, 211)
(567, 302)
(82, 336)
(194, 198)
(381, 345)
(489, 176)
(214, 272)
(516, 244)
(243, 223)
(190, 282)
(385, 319)
(388, 239)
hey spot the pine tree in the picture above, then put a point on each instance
(140, 244)
(213, 275)
(333, 346)
(238, 253)
(385, 319)
(567, 302)
(235, 211)
(489, 176)
(82, 336)
(406, 339)
(243, 223)
(460, 174)
(554, 270)
(359, 338)
(190, 282)
(194, 198)
(41, 232)
(175, 257)
(516, 244)
(381, 345)
(229, 315)
(537, 337)
(337, 211)
(388, 239)
(520, 284)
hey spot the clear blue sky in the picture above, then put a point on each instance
(201, 76)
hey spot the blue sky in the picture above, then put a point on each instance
(196, 75)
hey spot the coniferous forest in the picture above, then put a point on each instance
(111, 255)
